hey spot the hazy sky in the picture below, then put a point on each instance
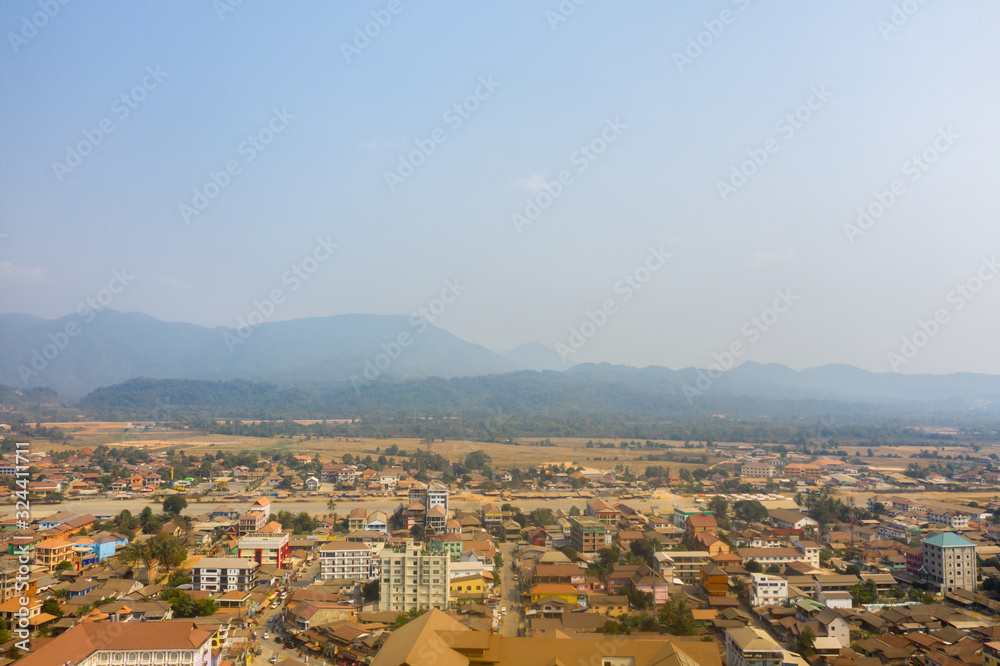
(112, 115)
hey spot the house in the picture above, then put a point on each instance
(767, 590)
(312, 484)
(786, 519)
(700, 523)
(714, 581)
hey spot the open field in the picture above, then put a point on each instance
(565, 450)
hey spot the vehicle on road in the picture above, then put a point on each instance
(503, 610)
(273, 659)
(266, 636)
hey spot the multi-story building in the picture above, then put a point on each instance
(152, 643)
(265, 548)
(950, 562)
(437, 495)
(51, 552)
(604, 511)
(224, 574)
(807, 471)
(252, 521)
(681, 515)
(683, 564)
(587, 534)
(492, 518)
(413, 578)
(757, 470)
(749, 646)
(347, 559)
(766, 590)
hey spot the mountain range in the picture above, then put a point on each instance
(394, 356)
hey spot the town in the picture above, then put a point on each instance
(174, 555)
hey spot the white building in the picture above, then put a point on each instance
(101, 644)
(950, 562)
(749, 646)
(348, 559)
(413, 578)
(437, 495)
(757, 470)
(224, 574)
(768, 590)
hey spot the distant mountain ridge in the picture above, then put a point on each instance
(113, 347)
(359, 351)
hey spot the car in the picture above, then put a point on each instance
(277, 639)
(273, 659)
(266, 636)
(503, 610)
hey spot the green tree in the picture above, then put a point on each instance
(174, 504)
(806, 645)
(753, 566)
(677, 618)
(370, 590)
(52, 607)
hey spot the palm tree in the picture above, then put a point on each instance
(331, 506)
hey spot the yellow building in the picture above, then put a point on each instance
(472, 586)
(562, 590)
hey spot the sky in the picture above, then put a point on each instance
(643, 183)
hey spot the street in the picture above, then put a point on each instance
(509, 596)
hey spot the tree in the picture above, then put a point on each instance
(719, 506)
(52, 607)
(174, 504)
(676, 618)
(63, 566)
(638, 600)
(370, 590)
(542, 517)
(750, 511)
(773, 569)
(574, 510)
(607, 557)
(864, 593)
(753, 566)
(806, 645)
(570, 552)
(644, 551)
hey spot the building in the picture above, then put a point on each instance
(700, 523)
(805, 471)
(766, 590)
(436, 495)
(587, 534)
(681, 515)
(603, 511)
(51, 552)
(439, 639)
(786, 519)
(265, 548)
(101, 643)
(413, 578)
(683, 564)
(949, 562)
(749, 646)
(347, 559)
(714, 581)
(757, 470)
(224, 574)
(492, 518)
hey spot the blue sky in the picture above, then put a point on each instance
(881, 92)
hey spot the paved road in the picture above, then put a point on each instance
(509, 596)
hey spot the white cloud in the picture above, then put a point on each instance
(11, 273)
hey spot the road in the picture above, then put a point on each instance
(509, 596)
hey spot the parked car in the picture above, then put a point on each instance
(266, 636)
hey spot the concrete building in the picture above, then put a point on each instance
(347, 559)
(950, 562)
(587, 534)
(757, 470)
(749, 646)
(681, 515)
(683, 564)
(766, 590)
(100, 643)
(265, 548)
(224, 574)
(413, 578)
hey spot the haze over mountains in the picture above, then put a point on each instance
(381, 351)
